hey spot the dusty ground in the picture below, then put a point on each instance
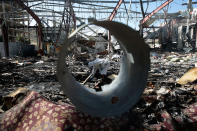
(162, 93)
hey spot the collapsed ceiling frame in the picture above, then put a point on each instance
(60, 14)
(42, 7)
(28, 7)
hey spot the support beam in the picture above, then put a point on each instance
(115, 10)
(187, 3)
(142, 9)
(70, 13)
(36, 18)
(4, 30)
(110, 19)
(63, 15)
(73, 15)
(189, 9)
(143, 15)
(143, 21)
(196, 37)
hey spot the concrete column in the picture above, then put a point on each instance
(4, 30)
(196, 36)
(180, 42)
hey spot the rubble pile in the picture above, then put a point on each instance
(164, 105)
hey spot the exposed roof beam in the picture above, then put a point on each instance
(108, 1)
(96, 1)
(187, 3)
(93, 1)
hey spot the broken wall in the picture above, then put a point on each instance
(17, 49)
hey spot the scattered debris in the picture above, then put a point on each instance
(190, 76)
(100, 64)
(13, 98)
(112, 77)
(163, 91)
(191, 112)
(30, 95)
(146, 115)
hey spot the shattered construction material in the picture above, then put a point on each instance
(163, 104)
(100, 64)
(190, 76)
(18, 49)
(125, 90)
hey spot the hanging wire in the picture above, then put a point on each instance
(165, 10)
(126, 10)
(136, 16)
(147, 5)
(129, 11)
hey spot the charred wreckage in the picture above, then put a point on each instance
(65, 67)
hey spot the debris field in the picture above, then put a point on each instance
(165, 104)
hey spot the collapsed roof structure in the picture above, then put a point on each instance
(53, 19)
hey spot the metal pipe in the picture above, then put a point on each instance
(124, 92)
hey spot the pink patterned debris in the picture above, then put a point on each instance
(191, 112)
(36, 113)
(167, 121)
